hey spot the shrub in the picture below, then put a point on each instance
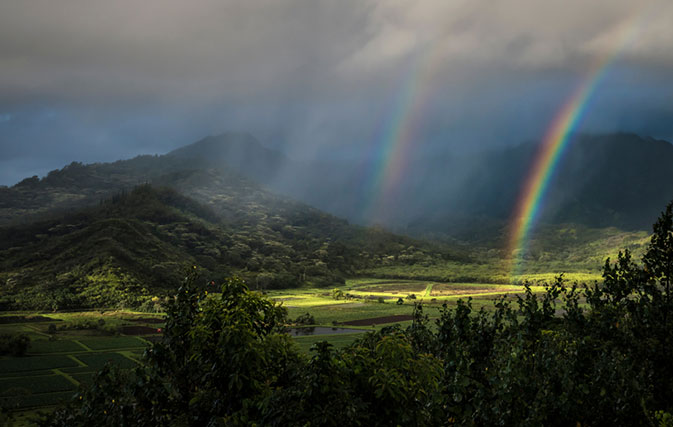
(14, 344)
(337, 293)
(305, 319)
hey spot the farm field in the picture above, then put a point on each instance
(68, 348)
(492, 270)
(373, 298)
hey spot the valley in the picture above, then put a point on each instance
(346, 213)
(91, 256)
(66, 349)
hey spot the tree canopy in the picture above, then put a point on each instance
(591, 354)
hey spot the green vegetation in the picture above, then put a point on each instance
(99, 236)
(96, 343)
(35, 363)
(37, 384)
(132, 250)
(99, 360)
(337, 341)
(468, 343)
(13, 344)
(54, 346)
(61, 356)
(571, 355)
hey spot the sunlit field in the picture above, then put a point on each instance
(66, 349)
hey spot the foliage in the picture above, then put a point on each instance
(337, 294)
(217, 357)
(304, 319)
(14, 344)
(544, 359)
(130, 250)
(85, 324)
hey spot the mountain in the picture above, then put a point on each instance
(75, 250)
(326, 184)
(623, 180)
(616, 180)
(240, 152)
(124, 232)
(612, 180)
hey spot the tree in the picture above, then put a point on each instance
(218, 356)
(539, 359)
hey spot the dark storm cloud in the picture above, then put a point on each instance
(92, 80)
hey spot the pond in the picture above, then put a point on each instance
(321, 330)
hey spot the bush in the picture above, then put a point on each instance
(337, 293)
(89, 324)
(14, 344)
(304, 319)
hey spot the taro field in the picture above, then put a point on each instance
(368, 304)
(65, 352)
(67, 349)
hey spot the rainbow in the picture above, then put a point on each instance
(550, 152)
(395, 139)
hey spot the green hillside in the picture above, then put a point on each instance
(138, 245)
(122, 233)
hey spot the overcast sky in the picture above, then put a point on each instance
(91, 80)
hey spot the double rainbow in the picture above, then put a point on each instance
(395, 140)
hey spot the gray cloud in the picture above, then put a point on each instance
(89, 80)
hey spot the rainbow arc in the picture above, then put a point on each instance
(557, 139)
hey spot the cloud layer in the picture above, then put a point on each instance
(88, 80)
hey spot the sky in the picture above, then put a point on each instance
(88, 80)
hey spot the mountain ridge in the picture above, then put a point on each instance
(601, 180)
(137, 244)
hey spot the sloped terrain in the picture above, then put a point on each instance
(139, 244)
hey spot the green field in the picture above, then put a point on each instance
(377, 298)
(58, 363)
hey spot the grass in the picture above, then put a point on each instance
(44, 346)
(40, 400)
(83, 377)
(98, 360)
(365, 293)
(577, 252)
(491, 271)
(39, 384)
(329, 315)
(112, 343)
(34, 363)
(84, 368)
